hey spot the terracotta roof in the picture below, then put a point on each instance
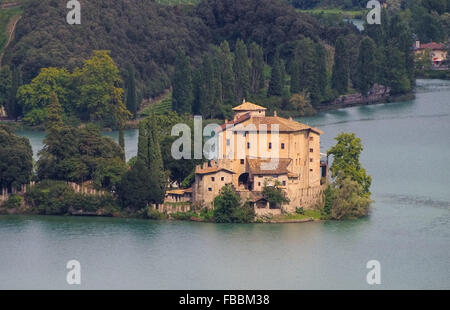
(284, 125)
(432, 46)
(248, 106)
(242, 118)
(209, 170)
(270, 168)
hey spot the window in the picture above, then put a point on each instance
(270, 145)
(228, 141)
(282, 146)
(311, 138)
(248, 145)
(311, 150)
(209, 189)
(311, 160)
(310, 170)
(259, 183)
(213, 179)
(222, 178)
(242, 161)
(284, 183)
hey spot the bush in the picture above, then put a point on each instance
(228, 208)
(14, 201)
(57, 198)
(299, 210)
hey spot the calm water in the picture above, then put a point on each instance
(406, 151)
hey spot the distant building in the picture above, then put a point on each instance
(244, 144)
(438, 52)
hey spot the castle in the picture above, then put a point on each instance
(253, 149)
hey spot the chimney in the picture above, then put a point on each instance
(275, 113)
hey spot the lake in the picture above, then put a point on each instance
(406, 150)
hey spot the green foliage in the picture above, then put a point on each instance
(350, 201)
(51, 197)
(349, 195)
(228, 207)
(366, 67)
(5, 85)
(108, 173)
(341, 67)
(182, 95)
(54, 114)
(16, 159)
(301, 104)
(274, 194)
(346, 163)
(242, 71)
(149, 150)
(92, 92)
(276, 84)
(132, 101)
(13, 202)
(140, 187)
(300, 210)
(73, 154)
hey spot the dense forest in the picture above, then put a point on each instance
(213, 55)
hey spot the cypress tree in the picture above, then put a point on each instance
(319, 87)
(149, 151)
(122, 141)
(257, 68)
(227, 74)
(366, 67)
(295, 77)
(304, 54)
(242, 71)
(276, 83)
(341, 68)
(54, 119)
(182, 95)
(13, 109)
(132, 104)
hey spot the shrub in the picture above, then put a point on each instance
(14, 201)
(228, 208)
(299, 210)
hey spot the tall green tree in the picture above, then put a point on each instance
(295, 77)
(182, 95)
(346, 154)
(366, 67)
(257, 68)
(242, 71)
(14, 107)
(276, 79)
(100, 94)
(227, 74)
(132, 103)
(54, 113)
(318, 89)
(5, 85)
(341, 70)
(149, 150)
